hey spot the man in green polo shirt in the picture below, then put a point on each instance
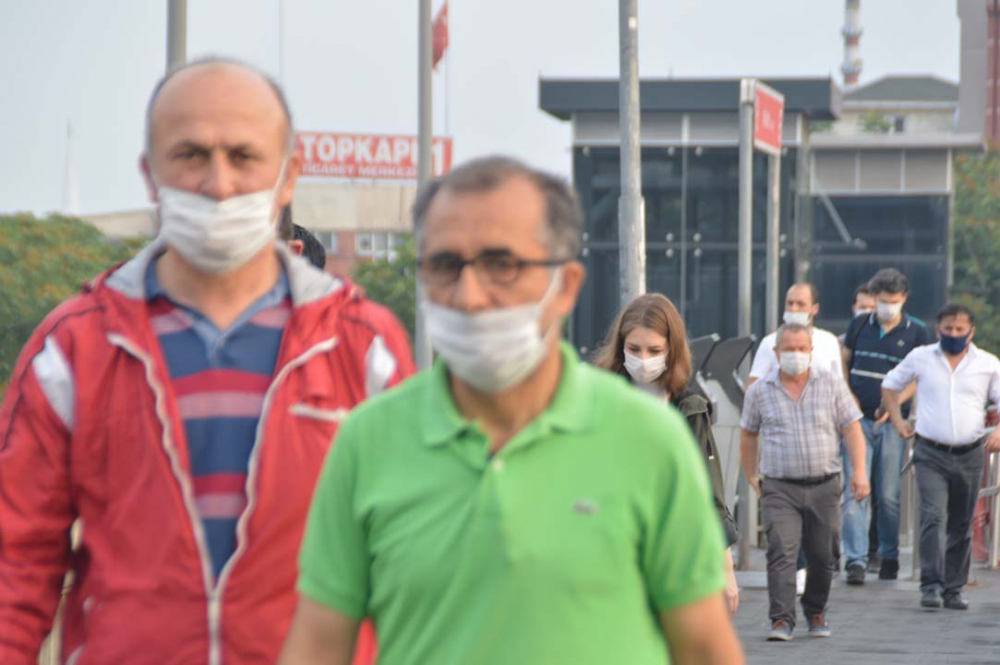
(511, 505)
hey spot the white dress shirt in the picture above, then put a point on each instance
(825, 356)
(951, 405)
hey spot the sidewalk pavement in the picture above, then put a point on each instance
(878, 623)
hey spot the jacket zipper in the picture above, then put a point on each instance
(215, 593)
(215, 601)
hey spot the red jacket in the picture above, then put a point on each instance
(90, 430)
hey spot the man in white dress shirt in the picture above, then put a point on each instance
(955, 382)
(801, 307)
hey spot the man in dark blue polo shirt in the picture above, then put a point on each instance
(874, 344)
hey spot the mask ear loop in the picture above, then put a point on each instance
(550, 294)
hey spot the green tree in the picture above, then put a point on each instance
(874, 122)
(43, 262)
(977, 242)
(393, 282)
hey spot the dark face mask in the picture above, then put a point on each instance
(954, 345)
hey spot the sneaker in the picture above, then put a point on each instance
(955, 601)
(930, 599)
(781, 631)
(818, 627)
(889, 570)
(800, 581)
(875, 564)
(855, 574)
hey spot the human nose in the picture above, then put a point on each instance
(219, 182)
(468, 294)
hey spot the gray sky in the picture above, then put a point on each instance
(348, 66)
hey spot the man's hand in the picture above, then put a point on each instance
(904, 428)
(881, 415)
(860, 488)
(755, 484)
(993, 441)
(732, 591)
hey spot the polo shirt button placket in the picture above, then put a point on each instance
(497, 465)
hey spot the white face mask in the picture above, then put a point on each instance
(217, 237)
(793, 363)
(863, 312)
(887, 311)
(645, 370)
(800, 318)
(492, 350)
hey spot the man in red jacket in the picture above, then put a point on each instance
(181, 406)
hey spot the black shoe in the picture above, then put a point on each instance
(889, 570)
(930, 599)
(874, 564)
(956, 601)
(855, 574)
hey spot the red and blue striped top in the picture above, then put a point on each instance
(220, 378)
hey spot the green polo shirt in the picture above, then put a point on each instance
(558, 549)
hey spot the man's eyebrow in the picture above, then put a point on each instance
(190, 144)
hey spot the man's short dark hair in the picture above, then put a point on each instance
(564, 217)
(813, 291)
(862, 290)
(312, 248)
(888, 280)
(956, 309)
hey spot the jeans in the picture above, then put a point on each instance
(885, 450)
(799, 515)
(949, 488)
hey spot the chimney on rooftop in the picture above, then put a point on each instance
(852, 37)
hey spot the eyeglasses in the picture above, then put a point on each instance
(496, 267)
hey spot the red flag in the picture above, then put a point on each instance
(440, 34)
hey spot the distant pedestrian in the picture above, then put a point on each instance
(648, 345)
(792, 421)
(801, 307)
(863, 304)
(874, 345)
(955, 380)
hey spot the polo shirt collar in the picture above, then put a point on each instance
(569, 410)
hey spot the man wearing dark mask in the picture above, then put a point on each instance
(181, 406)
(874, 345)
(955, 380)
(511, 504)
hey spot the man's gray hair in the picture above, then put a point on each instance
(787, 328)
(220, 60)
(563, 216)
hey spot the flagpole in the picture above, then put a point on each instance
(425, 109)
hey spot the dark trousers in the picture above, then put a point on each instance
(949, 487)
(797, 515)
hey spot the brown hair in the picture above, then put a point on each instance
(656, 312)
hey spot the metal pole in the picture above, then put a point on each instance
(425, 129)
(631, 209)
(772, 302)
(744, 320)
(176, 33)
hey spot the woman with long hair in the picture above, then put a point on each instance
(647, 344)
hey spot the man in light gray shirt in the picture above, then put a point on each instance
(793, 419)
(955, 381)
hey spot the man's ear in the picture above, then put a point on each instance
(147, 177)
(297, 247)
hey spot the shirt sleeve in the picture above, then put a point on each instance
(847, 408)
(993, 393)
(333, 560)
(751, 420)
(904, 373)
(764, 360)
(681, 552)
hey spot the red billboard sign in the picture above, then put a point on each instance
(368, 156)
(768, 115)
